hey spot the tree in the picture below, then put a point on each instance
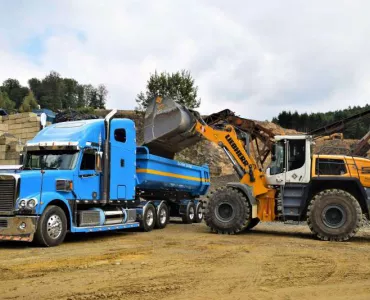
(101, 93)
(5, 101)
(53, 92)
(179, 86)
(29, 103)
(14, 90)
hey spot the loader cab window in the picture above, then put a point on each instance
(278, 165)
(88, 160)
(120, 135)
(296, 154)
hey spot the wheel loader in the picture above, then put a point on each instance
(330, 192)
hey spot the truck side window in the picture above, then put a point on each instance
(297, 154)
(326, 166)
(120, 135)
(88, 160)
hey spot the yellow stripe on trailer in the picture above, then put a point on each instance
(168, 174)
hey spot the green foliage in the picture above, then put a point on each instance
(308, 122)
(86, 110)
(178, 86)
(14, 90)
(55, 92)
(29, 103)
(5, 102)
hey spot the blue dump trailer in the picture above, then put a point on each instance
(90, 176)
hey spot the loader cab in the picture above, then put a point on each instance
(290, 160)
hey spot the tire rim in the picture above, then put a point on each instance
(191, 213)
(54, 227)
(149, 218)
(200, 212)
(224, 212)
(162, 216)
(334, 216)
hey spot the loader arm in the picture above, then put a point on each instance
(170, 127)
(234, 148)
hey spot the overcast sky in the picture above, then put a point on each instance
(253, 57)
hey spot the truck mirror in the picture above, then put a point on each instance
(98, 161)
(21, 158)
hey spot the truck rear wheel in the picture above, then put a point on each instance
(227, 211)
(149, 218)
(198, 213)
(189, 215)
(334, 215)
(52, 227)
(163, 216)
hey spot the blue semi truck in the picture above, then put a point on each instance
(90, 176)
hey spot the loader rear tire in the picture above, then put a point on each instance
(227, 211)
(334, 215)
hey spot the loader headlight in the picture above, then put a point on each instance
(32, 203)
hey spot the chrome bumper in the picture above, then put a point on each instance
(10, 228)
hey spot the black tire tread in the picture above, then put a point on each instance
(353, 201)
(208, 211)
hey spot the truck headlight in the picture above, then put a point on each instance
(22, 203)
(32, 203)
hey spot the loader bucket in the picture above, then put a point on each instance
(168, 127)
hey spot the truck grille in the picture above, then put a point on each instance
(3, 223)
(7, 191)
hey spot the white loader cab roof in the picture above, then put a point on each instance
(293, 137)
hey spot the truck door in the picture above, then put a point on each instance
(122, 159)
(88, 180)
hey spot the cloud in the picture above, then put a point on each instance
(256, 58)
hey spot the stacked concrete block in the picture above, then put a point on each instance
(15, 131)
(24, 126)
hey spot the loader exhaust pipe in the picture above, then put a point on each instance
(168, 127)
(106, 159)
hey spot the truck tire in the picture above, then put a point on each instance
(253, 223)
(334, 215)
(228, 211)
(198, 213)
(163, 216)
(189, 215)
(52, 227)
(149, 218)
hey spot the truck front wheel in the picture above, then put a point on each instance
(52, 227)
(334, 215)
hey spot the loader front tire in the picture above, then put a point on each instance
(227, 211)
(334, 215)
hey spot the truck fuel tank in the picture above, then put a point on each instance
(168, 127)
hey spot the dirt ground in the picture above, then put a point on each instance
(188, 262)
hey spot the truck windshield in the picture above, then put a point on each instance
(51, 160)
